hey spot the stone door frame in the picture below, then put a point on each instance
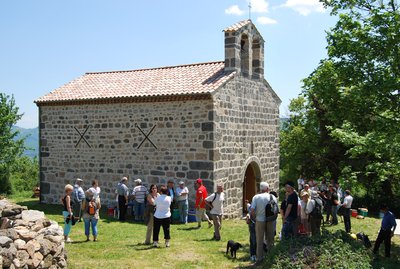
(255, 164)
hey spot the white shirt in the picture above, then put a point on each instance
(348, 200)
(182, 193)
(303, 212)
(300, 183)
(259, 203)
(311, 204)
(162, 202)
(218, 204)
(95, 191)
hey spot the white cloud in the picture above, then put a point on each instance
(305, 7)
(259, 6)
(266, 20)
(234, 10)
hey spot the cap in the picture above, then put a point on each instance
(139, 181)
(199, 180)
(264, 186)
(314, 194)
(124, 179)
(79, 180)
(290, 184)
(181, 183)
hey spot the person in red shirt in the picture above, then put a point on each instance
(201, 195)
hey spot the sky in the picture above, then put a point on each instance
(46, 44)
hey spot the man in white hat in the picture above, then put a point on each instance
(77, 197)
(183, 204)
(139, 194)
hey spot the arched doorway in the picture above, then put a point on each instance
(252, 176)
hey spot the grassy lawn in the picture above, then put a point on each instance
(120, 244)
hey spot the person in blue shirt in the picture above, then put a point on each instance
(171, 193)
(387, 230)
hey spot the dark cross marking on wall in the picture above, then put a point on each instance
(252, 148)
(146, 137)
(83, 136)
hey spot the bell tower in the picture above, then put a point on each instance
(244, 50)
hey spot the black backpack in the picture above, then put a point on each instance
(364, 238)
(271, 210)
(317, 211)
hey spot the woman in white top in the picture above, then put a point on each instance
(95, 189)
(162, 216)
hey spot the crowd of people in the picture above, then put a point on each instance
(302, 210)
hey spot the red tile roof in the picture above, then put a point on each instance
(237, 26)
(183, 80)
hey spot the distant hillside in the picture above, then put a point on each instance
(31, 140)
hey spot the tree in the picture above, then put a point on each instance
(24, 174)
(352, 100)
(10, 148)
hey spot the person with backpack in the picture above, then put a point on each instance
(216, 203)
(90, 209)
(77, 196)
(264, 209)
(314, 210)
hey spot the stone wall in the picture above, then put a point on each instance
(247, 130)
(29, 240)
(213, 139)
(182, 137)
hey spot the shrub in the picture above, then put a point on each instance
(24, 174)
(331, 250)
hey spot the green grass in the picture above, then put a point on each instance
(120, 244)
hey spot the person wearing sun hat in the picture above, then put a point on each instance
(183, 204)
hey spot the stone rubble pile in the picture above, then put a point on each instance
(28, 239)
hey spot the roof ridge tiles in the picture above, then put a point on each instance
(154, 68)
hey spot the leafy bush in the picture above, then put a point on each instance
(24, 174)
(331, 250)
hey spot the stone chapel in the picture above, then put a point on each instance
(218, 121)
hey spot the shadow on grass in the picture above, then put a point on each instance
(382, 262)
(189, 228)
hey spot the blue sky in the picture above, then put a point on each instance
(46, 43)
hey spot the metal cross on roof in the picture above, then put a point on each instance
(249, 9)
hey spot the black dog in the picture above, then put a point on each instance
(234, 246)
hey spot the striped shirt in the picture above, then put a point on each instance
(140, 193)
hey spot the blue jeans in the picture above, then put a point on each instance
(139, 210)
(67, 226)
(287, 228)
(253, 242)
(183, 207)
(334, 214)
(90, 222)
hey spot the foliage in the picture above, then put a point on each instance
(331, 250)
(345, 124)
(24, 174)
(9, 148)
